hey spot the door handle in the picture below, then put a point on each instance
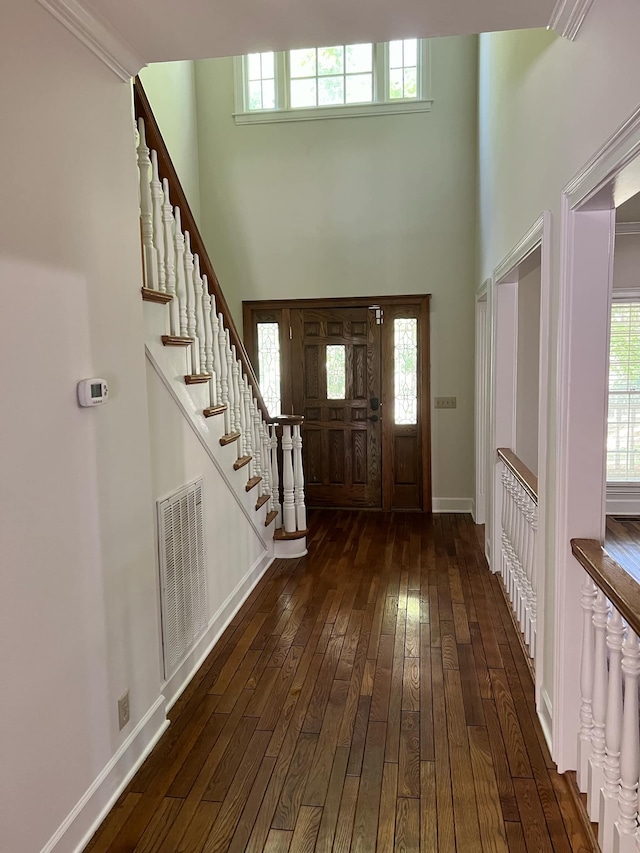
(373, 418)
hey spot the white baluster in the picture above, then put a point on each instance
(224, 375)
(257, 446)
(215, 346)
(149, 255)
(242, 441)
(265, 461)
(191, 301)
(596, 762)
(208, 340)
(248, 425)
(587, 601)
(237, 401)
(174, 273)
(288, 500)
(178, 274)
(275, 475)
(612, 733)
(298, 479)
(157, 204)
(201, 331)
(624, 833)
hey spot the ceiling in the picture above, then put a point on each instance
(162, 30)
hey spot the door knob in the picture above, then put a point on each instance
(373, 418)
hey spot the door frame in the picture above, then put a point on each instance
(421, 301)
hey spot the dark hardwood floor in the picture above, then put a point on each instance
(622, 542)
(369, 697)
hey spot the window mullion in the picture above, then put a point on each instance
(282, 80)
(381, 72)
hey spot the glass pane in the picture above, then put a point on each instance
(396, 83)
(623, 430)
(410, 79)
(395, 54)
(359, 88)
(359, 57)
(405, 370)
(267, 65)
(303, 93)
(268, 95)
(336, 372)
(410, 51)
(255, 95)
(331, 60)
(302, 63)
(330, 90)
(253, 63)
(269, 365)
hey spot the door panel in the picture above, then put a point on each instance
(338, 350)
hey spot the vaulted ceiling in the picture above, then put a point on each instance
(161, 30)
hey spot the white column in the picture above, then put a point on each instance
(587, 601)
(596, 762)
(201, 332)
(191, 302)
(150, 258)
(298, 479)
(288, 501)
(612, 733)
(157, 202)
(224, 375)
(275, 475)
(624, 833)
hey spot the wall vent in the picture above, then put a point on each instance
(183, 581)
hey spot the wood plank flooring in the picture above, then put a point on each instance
(369, 697)
(622, 542)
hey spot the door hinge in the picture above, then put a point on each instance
(379, 314)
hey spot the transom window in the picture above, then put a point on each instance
(333, 81)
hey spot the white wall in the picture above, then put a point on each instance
(171, 89)
(359, 206)
(78, 625)
(546, 105)
(626, 262)
(527, 371)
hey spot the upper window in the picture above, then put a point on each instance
(334, 81)
(623, 432)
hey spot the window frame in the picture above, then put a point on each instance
(619, 486)
(381, 105)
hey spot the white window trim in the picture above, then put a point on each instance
(420, 104)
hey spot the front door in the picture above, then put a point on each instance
(336, 386)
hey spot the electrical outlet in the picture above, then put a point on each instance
(445, 403)
(123, 710)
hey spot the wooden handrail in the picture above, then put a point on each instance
(525, 477)
(617, 584)
(178, 199)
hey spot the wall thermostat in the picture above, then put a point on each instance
(92, 392)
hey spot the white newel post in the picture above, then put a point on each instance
(149, 255)
(275, 475)
(596, 762)
(208, 340)
(157, 203)
(298, 479)
(201, 332)
(609, 794)
(224, 375)
(624, 832)
(587, 602)
(191, 301)
(288, 500)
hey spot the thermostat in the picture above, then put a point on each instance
(92, 392)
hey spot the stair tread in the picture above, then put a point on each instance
(159, 296)
(252, 483)
(176, 341)
(229, 438)
(211, 411)
(197, 378)
(262, 500)
(241, 462)
(271, 516)
(284, 536)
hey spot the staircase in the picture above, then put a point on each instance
(194, 349)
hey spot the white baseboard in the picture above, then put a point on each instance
(175, 686)
(453, 505)
(78, 827)
(545, 715)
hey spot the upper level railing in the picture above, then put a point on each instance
(608, 730)
(518, 540)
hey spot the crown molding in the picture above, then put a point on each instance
(102, 39)
(568, 16)
(627, 227)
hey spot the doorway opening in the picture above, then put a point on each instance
(357, 369)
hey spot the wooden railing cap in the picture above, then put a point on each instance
(523, 474)
(621, 589)
(288, 420)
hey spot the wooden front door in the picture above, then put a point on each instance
(358, 371)
(336, 386)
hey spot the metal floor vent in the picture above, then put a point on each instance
(182, 573)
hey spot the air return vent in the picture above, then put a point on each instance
(182, 573)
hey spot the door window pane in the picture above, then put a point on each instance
(336, 372)
(405, 370)
(269, 366)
